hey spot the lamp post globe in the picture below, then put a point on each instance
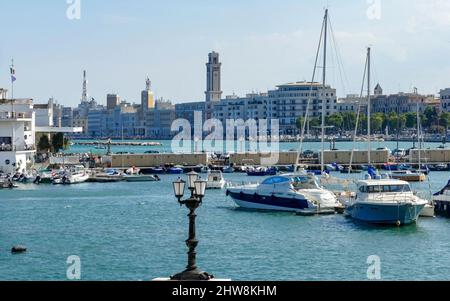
(192, 177)
(178, 188)
(200, 188)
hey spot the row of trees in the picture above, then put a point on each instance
(431, 121)
(57, 143)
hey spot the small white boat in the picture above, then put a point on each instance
(428, 211)
(215, 180)
(141, 178)
(76, 175)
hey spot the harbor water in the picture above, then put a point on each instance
(136, 231)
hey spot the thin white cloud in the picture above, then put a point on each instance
(428, 15)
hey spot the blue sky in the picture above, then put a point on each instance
(262, 43)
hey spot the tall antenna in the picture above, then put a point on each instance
(84, 96)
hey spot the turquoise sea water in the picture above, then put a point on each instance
(136, 231)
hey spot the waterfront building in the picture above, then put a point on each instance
(80, 122)
(289, 102)
(394, 103)
(252, 106)
(351, 103)
(286, 103)
(44, 113)
(97, 121)
(119, 122)
(158, 122)
(213, 83)
(445, 100)
(112, 101)
(17, 134)
(188, 111)
(402, 103)
(66, 116)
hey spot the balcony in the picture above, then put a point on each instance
(21, 148)
(12, 116)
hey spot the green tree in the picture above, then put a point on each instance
(300, 122)
(44, 144)
(431, 117)
(59, 142)
(336, 120)
(349, 120)
(376, 122)
(444, 119)
(411, 120)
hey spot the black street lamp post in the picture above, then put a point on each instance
(197, 188)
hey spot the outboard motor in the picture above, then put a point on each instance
(37, 180)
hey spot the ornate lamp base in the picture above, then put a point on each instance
(192, 275)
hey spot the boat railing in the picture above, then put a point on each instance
(240, 184)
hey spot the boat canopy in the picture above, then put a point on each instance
(297, 181)
(380, 188)
(276, 180)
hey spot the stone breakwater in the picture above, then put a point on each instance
(117, 143)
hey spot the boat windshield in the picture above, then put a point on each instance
(275, 180)
(385, 188)
(304, 182)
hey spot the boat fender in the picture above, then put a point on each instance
(398, 223)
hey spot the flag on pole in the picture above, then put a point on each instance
(13, 74)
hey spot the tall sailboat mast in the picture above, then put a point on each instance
(368, 109)
(324, 77)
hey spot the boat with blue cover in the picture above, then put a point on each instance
(289, 192)
(262, 171)
(176, 170)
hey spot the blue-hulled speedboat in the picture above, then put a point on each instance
(176, 170)
(385, 201)
(290, 192)
(262, 171)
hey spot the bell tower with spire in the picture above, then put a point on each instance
(213, 83)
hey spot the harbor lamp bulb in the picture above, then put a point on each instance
(178, 188)
(192, 177)
(200, 188)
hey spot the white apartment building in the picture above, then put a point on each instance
(17, 134)
(289, 102)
